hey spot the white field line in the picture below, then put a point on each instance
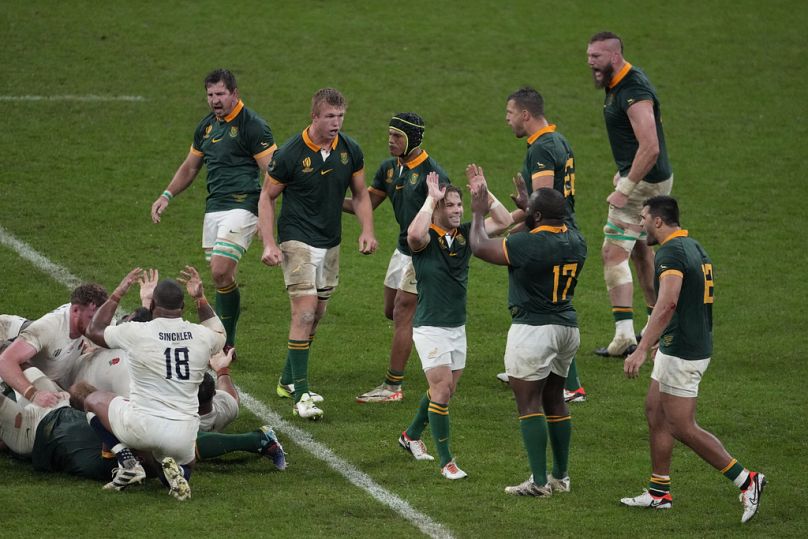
(300, 437)
(89, 97)
(55, 271)
(304, 440)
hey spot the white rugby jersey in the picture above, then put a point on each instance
(10, 325)
(224, 409)
(56, 351)
(105, 369)
(167, 360)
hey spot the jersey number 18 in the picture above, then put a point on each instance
(180, 363)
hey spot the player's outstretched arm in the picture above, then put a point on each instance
(189, 276)
(147, 283)
(184, 176)
(103, 316)
(483, 247)
(499, 217)
(418, 231)
(220, 363)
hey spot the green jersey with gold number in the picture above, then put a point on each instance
(550, 155)
(689, 334)
(544, 266)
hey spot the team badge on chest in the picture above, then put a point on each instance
(233, 131)
(343, 158)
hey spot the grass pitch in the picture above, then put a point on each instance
(78, 178)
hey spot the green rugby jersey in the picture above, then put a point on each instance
(689, 334)
(405, 185)
(627, 87)
(544, 266)
(442, 271)
(229, 148)
(65, 442)
(549, 154)
(311, 210)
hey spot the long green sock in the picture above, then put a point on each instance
(228, 307)
(215, 444)
(286, 375)
(419, 422)
(438, 414)
(573, 382)
(534, 436)
(298, 358)
(559, 429)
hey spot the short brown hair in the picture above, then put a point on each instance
(329, 96)
(529, 99)
(221, 75)
(88, 294)
(450, 189)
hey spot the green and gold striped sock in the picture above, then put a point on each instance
(394, 378)
(659, 485)
(298, 358)
(439, 426)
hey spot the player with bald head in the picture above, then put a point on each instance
(168, 357)
(544, 266)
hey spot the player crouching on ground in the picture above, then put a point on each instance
(168, 358)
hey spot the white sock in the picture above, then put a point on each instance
(624, 328)
(741, 479)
